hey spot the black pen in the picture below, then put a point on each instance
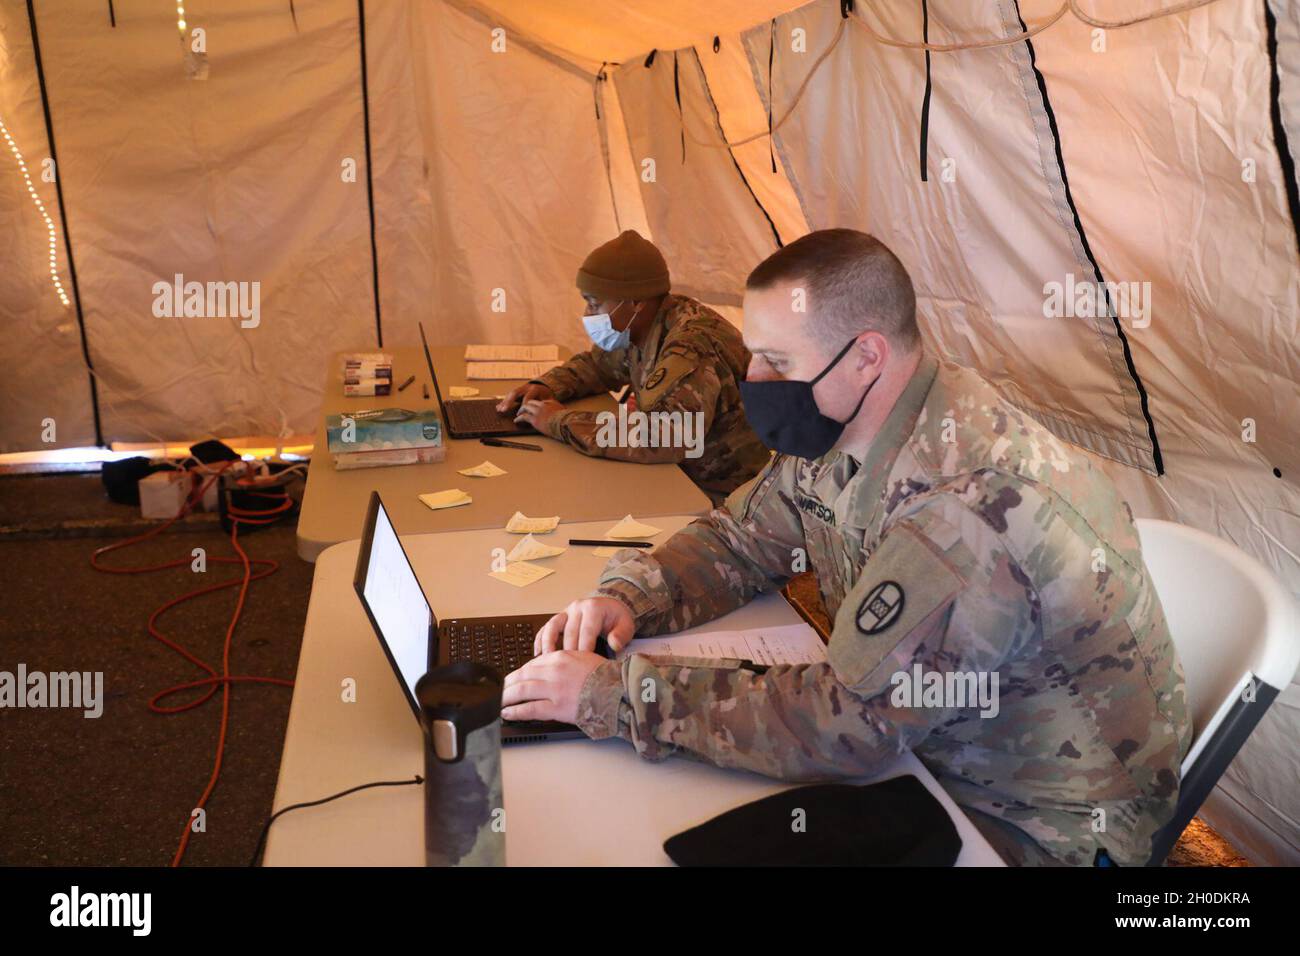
(610, 544)
(499, 443)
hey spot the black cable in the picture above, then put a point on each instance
(266, 830)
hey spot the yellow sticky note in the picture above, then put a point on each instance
(463, 391)
(451, 498)
(521, 573)
(520, 523)
(629, 527)
(485, 470)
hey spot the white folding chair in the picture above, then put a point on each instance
(1237, 631)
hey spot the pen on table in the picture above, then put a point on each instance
(402, 387)
(610, 544)
(498, 443)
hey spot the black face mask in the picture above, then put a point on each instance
(786, 417)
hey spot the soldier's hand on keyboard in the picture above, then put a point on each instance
(547, 687)
(538, 413)
(523, 393)
(578, 625)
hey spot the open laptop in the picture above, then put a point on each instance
(472, 417)
(415, 641)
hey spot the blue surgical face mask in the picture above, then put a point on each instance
(600, 328)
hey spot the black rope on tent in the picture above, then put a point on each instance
(925, 100)
(370, 184)
(63, 219)
(1156, 457)
(596, 91)
(771, 93)
(681, 119)
(294, 13)
(595, 86)
(1280, 141)
(717, 119)
(112, 15)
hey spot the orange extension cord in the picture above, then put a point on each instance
(238, 516)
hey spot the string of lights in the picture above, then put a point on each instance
(40, 206)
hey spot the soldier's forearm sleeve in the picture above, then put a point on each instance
(587, 373)
(714, 565)
(794, 722)
(582, 430)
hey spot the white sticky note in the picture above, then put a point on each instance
(485, 470)
(463, 391)
(629, 527)
(521, 573)
(605, 552)
(530, 549)
(451, 498)
(520, 523)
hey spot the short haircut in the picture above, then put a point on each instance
(854, 284)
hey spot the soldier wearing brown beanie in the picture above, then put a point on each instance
(681, 359)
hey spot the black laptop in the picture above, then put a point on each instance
(473, 417)
(415, 641)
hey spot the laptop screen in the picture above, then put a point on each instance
(428, 360)
(398, 606)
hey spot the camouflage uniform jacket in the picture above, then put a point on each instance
(968, 541)
(690, 362)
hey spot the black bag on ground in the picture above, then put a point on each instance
(122, 478)
(895, 822)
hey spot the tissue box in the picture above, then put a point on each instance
(384, 429)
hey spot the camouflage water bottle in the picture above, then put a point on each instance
(464, 817)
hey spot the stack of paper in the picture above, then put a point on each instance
(790, 644)
(503, 370)
(511, 353)
(510, 361)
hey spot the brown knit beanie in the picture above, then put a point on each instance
(628, 267)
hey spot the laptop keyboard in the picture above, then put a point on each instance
(505, 645)
(481, 415)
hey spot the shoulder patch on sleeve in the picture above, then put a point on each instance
(905, 583)
(665, 376)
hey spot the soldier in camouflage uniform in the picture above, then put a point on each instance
(964, 538)
(681, 359)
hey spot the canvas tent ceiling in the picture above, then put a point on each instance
(1158, 153)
